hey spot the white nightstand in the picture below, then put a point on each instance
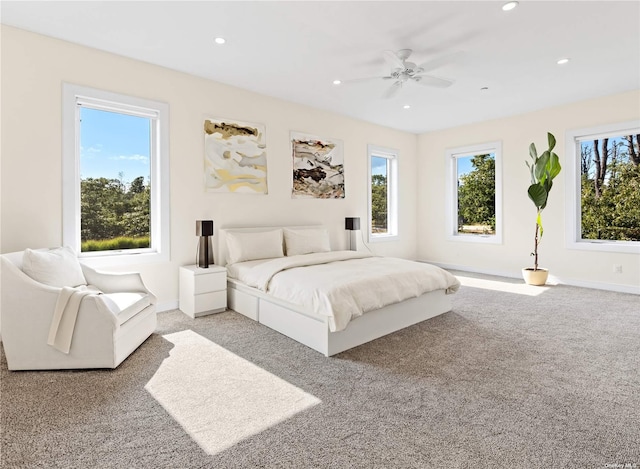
(203, 291)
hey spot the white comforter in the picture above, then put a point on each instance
(345, 284)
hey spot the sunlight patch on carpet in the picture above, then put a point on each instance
(518, 287)
(218, 397)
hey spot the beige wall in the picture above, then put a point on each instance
(516, 133)
(33, 70)
(34, 67)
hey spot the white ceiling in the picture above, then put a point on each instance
(294, 50)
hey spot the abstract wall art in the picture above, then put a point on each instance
(235, 157)
(318, 167)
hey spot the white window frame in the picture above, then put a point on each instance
(451, 155)
(392, 194)
(73, 97)
(573, 187)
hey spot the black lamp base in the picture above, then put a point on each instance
(205, 252)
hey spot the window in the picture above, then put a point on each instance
(603, 188)
(115, 176)
(383, 186)
(474, 201)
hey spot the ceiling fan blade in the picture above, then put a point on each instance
(440, 61)
(360, 80)
(429, 80)
(393, 60)
(392, 90)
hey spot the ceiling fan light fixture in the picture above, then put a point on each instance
(509, 6)
(401, 71)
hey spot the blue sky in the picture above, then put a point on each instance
(378, 165)
(464, 165)
(623, 152)
(111, 143)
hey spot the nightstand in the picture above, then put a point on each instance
(203, 291)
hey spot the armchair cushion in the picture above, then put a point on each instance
(124, 306)
(57, 267)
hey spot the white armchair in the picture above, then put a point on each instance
(108, 328)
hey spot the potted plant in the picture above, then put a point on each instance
(543, 169)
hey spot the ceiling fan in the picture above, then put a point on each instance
(403, 71)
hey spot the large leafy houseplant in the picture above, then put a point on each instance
(543, 168)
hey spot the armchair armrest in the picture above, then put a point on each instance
(31, 303)
(25, 288)
(114, 282)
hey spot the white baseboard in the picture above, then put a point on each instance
(166, 306)
(466, 268)
(552, 278)
(600, 285)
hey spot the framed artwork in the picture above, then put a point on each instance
(318, 167)
(235, 157)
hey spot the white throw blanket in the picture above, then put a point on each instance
(63, 322)
(345, 284)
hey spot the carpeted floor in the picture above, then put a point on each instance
(513, 377)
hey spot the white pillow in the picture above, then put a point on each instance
(250, 246)
(57, 267)
(306, 240)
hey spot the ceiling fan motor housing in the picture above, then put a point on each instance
(403, 71)
(411, 68)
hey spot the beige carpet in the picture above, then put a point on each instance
(513, 377)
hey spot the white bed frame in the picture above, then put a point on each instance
(312, 329)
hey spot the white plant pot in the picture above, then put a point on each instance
(535, 277)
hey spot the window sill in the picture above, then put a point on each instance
(483, 239)
(382, 238)
(122, 259)
(628, 247)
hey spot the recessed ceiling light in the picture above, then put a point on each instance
(406, 106)
(563, 61)
(509, 6)
(336, 82)
(220, 40)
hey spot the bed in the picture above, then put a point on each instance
(288, 279)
